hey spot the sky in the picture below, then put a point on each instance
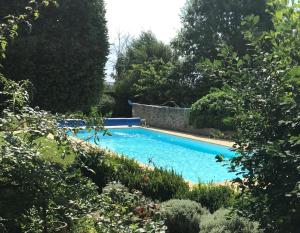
(132, 17)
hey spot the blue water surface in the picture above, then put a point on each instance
(194, 160)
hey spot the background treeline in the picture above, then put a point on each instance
(151, 72)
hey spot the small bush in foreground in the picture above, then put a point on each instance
(183, 215)
(121, 211)
(221, 222)
(125, 212)
(211, 196)
(85, 225)
(156, 183)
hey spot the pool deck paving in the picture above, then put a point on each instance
(194, 137)
(182, 134)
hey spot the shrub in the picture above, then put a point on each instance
(163, 184)
(182, 215)
(106, 105)
(35, 194)
(213, 111)
(122, 212)
(156, 183)
(222, 222)
(85, 225)
(211, 196)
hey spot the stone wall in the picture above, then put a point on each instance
(163, 117)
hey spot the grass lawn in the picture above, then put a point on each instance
(51, 152)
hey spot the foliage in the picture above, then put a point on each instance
(51, 151)
(65, 65)
(156, 183)
(85, 225)
(106, 105)
(214, 110)
(35, 195)
(222, 222)
(266, 86)
(211, 196)
(122, 211)
(143, 73)
(207, 23)
(145, 48)
(183, 215)
(153, 82)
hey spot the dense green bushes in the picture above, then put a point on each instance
(144, 73)
(125, 212)
(156, 183)
(211, 196)
(36, 195)
(222, 222)
(213, 111)
(188, 216)
(183, 215)
(121, 211)
(106, 105)
(267, 107)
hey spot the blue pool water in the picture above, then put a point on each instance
(194, 160)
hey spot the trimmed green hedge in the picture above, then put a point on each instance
(211, 196)
(213, 111)
(104, 167)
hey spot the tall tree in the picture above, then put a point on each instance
(266, 104)
(143, 73)
(63, 55)
(143, 49)
(206, 25)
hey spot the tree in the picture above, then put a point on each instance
(265, 85)
(63, 54)
(145, 48)
(153, 83)
(143, 73)
(206, 25)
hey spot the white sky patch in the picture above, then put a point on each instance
(132, 17)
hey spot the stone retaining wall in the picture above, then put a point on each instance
(163, 117)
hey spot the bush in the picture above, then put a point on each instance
(106, 105)
(85, 225)
(124, 212)
(213, 111)
(156, 183)
(211, 196)
(182, 215)
(35, 194)
(221, 222)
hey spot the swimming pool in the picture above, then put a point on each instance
(194, 160)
